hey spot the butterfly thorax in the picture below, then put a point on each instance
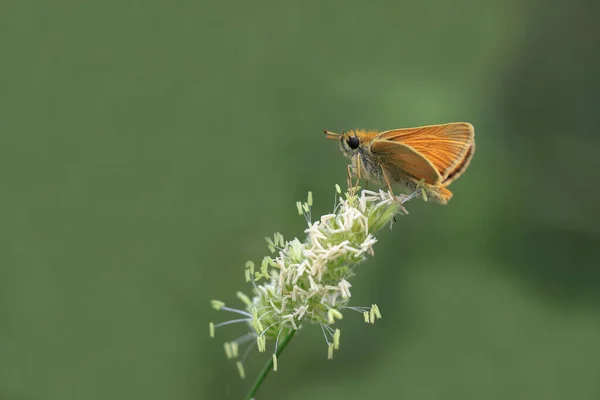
(371, 164)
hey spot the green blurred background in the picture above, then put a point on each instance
(148, 147)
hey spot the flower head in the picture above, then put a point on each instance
(307, 282)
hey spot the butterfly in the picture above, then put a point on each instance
(428, 158)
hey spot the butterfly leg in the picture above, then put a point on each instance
(349, 177)
(387, 181)
(357, 163)
(398, 198)
(356, 166)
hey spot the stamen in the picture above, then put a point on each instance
(411, 196)
(277, 340)
(330, 330)
(267, 313)
(233, 321)
(241, 370)
(235, 310)
(324, 334)
(357, 309)
(217, 304)
(376, 310)
(245, 338)
(227, 348)
(250, 266)
(261, 343)
(234, 349)
(247, 352)
(336, 339)
(267, 328)
(332, 314)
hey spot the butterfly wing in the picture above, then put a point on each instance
(449, 147)
(461, 167)
(406, 158)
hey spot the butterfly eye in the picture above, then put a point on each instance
(353, 142)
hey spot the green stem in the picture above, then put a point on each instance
(269, 365)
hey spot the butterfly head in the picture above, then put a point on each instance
(349, 141)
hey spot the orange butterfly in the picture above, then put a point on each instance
(428, 157)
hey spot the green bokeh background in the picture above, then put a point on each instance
(148, 147)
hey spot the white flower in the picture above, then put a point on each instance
(308, 282)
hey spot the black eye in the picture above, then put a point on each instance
(353, 142)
